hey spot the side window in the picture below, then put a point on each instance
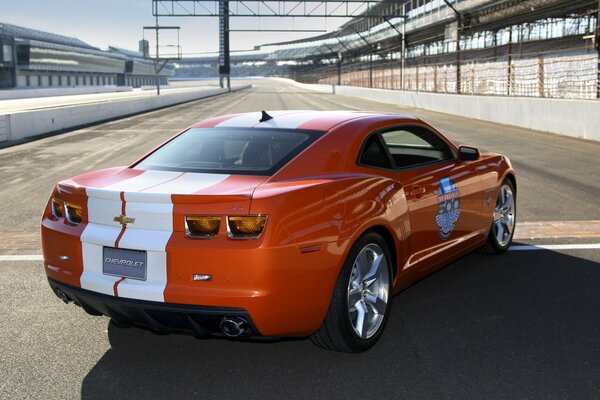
(415, 145)
(374, 154)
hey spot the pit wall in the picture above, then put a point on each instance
(18, 126)
(576, 118)
(10, 94)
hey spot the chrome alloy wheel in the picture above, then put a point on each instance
(368, 291)
(504, 216)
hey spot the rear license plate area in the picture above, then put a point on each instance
(124, 263)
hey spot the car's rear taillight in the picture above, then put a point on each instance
(202, 226)
(74, 213)
(246, 226)
(58, 208)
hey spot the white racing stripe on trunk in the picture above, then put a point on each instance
(154, 242)
(187, 183)
(144, 180)
(103, 211)
(97, 193)
(101, 235)
(148, 200)
(150, 216)
(138, 239)
(93, 238)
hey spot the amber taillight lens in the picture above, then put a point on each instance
(202, 226)
(74, 213)
(246, 226)
(58, 208)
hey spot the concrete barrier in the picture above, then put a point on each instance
(26, 124)
(313, 87)
(576, 118)
(11, 94)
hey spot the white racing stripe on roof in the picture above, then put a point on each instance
(281, 119)
(289, 121)
(241, 121)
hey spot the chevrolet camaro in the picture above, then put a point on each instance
(275, 224)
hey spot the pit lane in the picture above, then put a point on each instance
(521, 325)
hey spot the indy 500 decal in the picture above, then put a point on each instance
(448, 207)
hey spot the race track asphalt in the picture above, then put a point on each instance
(523, 325)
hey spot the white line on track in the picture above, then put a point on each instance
(19, 257)
(590, 246)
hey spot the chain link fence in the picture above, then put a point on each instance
(569, 75)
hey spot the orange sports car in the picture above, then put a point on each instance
(289, 223)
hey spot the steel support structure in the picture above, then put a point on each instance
(225, 9)
(158, 66)
(597, 41)
(266, 8)
(509, 70)
(224, 63)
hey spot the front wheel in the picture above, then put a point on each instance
(504, 221)
(360, 304)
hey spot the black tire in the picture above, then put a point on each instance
(337, 332)
(492, 245)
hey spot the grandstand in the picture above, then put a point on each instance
(534, 48)
(32, 58)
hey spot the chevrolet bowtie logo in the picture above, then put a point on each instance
(124, 220)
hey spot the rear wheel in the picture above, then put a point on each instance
(360, 304)
(504, 221)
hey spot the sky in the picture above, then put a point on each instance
(119, 23)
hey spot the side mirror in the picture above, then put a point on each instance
(468, 153)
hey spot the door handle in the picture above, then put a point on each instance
(417, 191)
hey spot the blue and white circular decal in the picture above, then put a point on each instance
(448, 207)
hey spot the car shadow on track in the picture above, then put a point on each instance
(521, 325)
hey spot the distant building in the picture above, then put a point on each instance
(144, 48)
(31, 58)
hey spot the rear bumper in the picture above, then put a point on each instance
(159, 317)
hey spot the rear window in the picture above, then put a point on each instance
(245, 151)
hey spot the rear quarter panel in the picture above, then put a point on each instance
(322, 218)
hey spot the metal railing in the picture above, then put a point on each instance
(567, 75)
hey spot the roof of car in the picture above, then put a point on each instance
(291, 119)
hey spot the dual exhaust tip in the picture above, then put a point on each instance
(233, 326)
(62, 295)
